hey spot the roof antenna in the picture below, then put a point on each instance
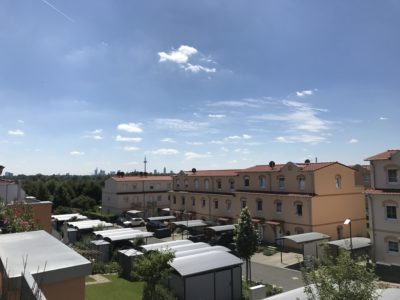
(145, 164)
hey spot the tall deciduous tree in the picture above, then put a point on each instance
(246, 239)
(341, 278)
(151, 268)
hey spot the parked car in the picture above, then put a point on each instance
(153, 225)
(133, 222)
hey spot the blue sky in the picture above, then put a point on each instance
(206, 84)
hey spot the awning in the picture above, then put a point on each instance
(273, 223)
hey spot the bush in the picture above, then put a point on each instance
(268, 251)
(160, 293)
(100, 267)
(100, 216)
(270, 289)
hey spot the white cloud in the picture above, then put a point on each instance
(168, 140)
(120, 138)
(246, 136)
(241, 103)
(77, 153)
(97, 137)
(216, 116)
(232, 139)
(195, 143)
(21, 121)
(180, 125)
(242, 150)
(353, 141)
(383, 118)
(94, 134)
(309, 139)
(131, 148)
(130, 127)
(96, 131)
(179, 56)
(193, 155)
(302, 117)
(164, 151)
(304, 93)
(198, 68)
(17, 132)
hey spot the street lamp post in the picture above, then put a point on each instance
(348, 222)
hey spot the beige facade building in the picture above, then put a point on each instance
(283, 199)
(145, 193)
(383, 203)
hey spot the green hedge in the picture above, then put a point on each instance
(105, 218)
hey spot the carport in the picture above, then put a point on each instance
(309, 242)
(357, 245)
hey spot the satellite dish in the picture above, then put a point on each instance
(272, 164)
(194, 170)
(307, 161)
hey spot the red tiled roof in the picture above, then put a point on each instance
(303, 166)
(383, 192)
(384, 155)
(213, 173)
(142, 178)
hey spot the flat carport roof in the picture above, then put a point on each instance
(358, 243)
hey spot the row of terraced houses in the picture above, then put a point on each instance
(283, 199)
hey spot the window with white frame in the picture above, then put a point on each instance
(206, 184)
(246, 181)
(232, 184)
(393, 246)
(243, 203)
(392, 175)
(391, 212)
(203, 202)
(281, 182)
(216, 203)
(302, 183)
(278, 206)
(259, 205)
(196, 184)
(338, 181)
(219, 184)
(298, 208)
(263, 182)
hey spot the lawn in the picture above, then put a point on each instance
(118, 288)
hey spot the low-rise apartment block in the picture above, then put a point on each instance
(383, 202)
(283, 199)
(148, 194)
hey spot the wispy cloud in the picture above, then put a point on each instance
(308, 139)
(164, 151)
(232, 139)
(181, 57)
(130, 127)
(195, 143)
(242, 150)
(77, 153)
(304, 93)
(216, 116)
(131, 148)
(168, 140)
(94, 134)
(353, 141)
(247, 102)
(383, 118)
(179, 125)
(193, 155)
(17, 132)
(59, 11)
(120, 138)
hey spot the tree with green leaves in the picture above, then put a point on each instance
(246, 239)
(341, 278)
(152, 267)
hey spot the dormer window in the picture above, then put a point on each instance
(338, 181)
(392, 175)
(281, 182)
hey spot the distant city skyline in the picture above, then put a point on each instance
(206, 85)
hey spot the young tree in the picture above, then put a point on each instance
(341, 278)
(246, 239)
(152, 268)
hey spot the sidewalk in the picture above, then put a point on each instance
(288, 258)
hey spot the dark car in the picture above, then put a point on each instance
(153, 225)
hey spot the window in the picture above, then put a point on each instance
(259, 205)
(366, 179)
(391, 212)
(393, 246)
(193, 201)
(203, 202)
(206, 184)
(246, 181)
(392, 175)
(174, 200)
(126, 199)
(134, 186)
(228, 204)
(151, 187)
(186, 183)
(281, 182)
(196, 184)
(177, 183)
(338, 181)
(299, 209)
(215, 204)
(243, 203)
(232, 184)
(183, 200)
(302, 183)
(278, 206)
(219, 184)
(263, 182)
(159, 198)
